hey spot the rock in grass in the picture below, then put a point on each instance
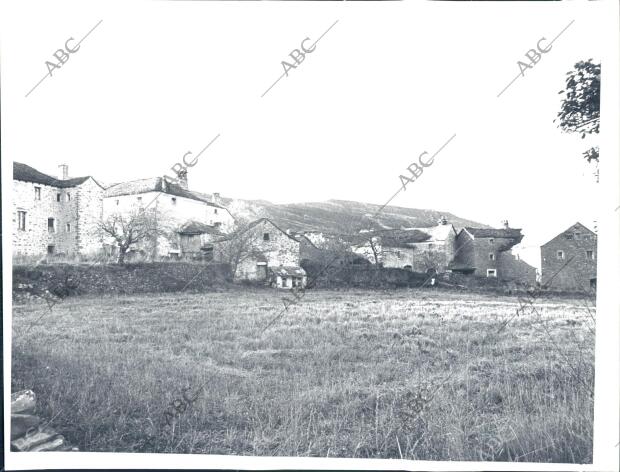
(34, 439)
(23, 402)
(21, 424)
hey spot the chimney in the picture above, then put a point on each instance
(443, 220)
(182, 175)
(215, 198)
(505, 224)
(64, 171)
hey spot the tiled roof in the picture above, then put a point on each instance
(390, 238)
(28, 174)
(284, 271)
(510, 233)
(195, 227)
(154, 184)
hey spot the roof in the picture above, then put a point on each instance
(195, 227)
(389, 237)
(508, 233)
(284, 271)
(29, 174)
(155, 184)
(576, 226)
(436, 233)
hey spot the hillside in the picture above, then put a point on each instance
(338, 216)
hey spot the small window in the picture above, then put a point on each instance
(68, 227)
(140, 200)
(57, 197)
(51, 249)
(37, 193)
(265, 236)
(51, 225)
(21, 220)
(68, 197)
(590, 255)
(491, 240)
(491, 256)
(586, 237)
(569, 235)
(398, 254)
(577, 235)
(491, 273)
(117, 202)
(174, 200)
(560, 255)
(215, 211)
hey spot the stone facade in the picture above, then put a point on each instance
(568, 261)
(54, 216)
(436, 252)
(486, 252)
(265, 246)
(172, 207)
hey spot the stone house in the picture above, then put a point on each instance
(426, 249)
(568, 261)
(486, 252)
(195, 240)
(173, 205)
(55, 215)
(257, 250)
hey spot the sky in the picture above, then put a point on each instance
(388, 81)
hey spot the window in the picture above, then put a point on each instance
(140, 200)
(491, 256)
(57, 197)
(590, 255)
(51, 249)
(398, 254)
(491, 273)
(568, 235)
(559, 255)
(265, 236)
(215, 211)
(37, 193)
(491, 240)
(117, 202)
(21, 220)
(174, 200)
(51, 225)
(68, 227)
(68, 197)
(577, 235)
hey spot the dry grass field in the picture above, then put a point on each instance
(406, 373)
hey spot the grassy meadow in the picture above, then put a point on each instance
(417, 374)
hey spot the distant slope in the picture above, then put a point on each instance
(339, 216)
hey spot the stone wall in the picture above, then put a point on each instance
(574, 275)
(89, 201)
(81, 279)
(36, 238)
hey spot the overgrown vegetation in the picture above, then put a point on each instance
(405, 373)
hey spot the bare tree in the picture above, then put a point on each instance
(240, 245)
(132, 228)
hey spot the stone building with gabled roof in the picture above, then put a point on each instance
(568, 261)
(55, 215)
(257, 250)
(486, 252)
(174, 205)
